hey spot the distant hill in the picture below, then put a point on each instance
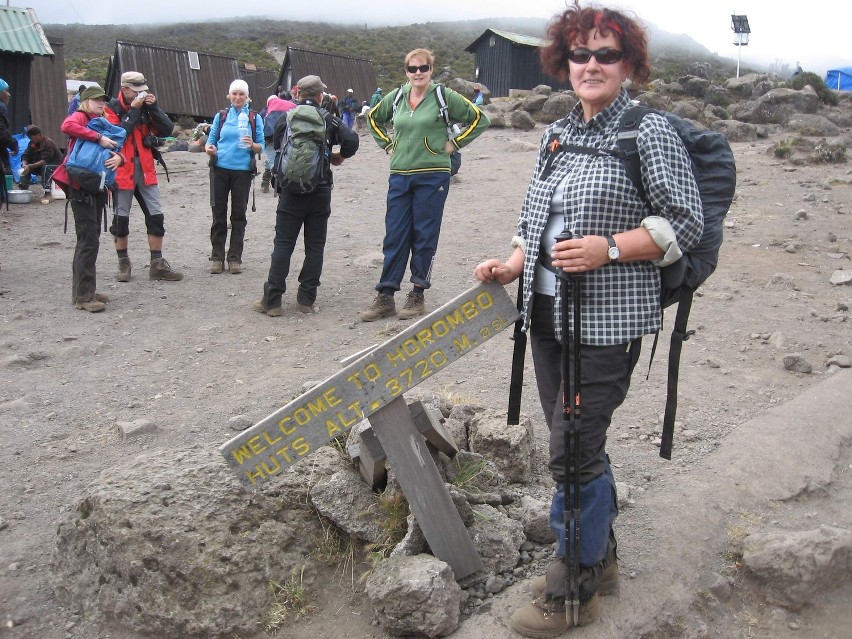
(88, 48)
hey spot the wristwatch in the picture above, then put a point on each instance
(613, 253)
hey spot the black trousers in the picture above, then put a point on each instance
(237, 184)
(604, 380)
(295, 212)
(87, 210)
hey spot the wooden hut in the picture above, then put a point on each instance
(506, 60)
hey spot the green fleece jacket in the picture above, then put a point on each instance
(419, 135)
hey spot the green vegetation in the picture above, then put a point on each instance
(290, 601)
(829, 154)
(825, 94)
(89, 47)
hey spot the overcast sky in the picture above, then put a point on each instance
(779, 32)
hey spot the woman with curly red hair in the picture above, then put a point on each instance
(618, 242)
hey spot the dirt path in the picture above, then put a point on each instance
(190, 355)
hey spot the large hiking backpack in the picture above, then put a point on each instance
(444, 113)
(301, 163)
(715, 173)
(85, 164)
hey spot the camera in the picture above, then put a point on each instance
(454, 131)
(152, 141)
(142, 95)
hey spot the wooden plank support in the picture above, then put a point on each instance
(332, 407)
(371, 462)
(424, 489)
(430, 426)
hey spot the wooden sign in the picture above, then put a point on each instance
(371, 382)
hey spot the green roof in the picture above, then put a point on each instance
(529, 41)
(20, 32)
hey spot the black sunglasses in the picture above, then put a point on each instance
(606, 55)
(423, 68)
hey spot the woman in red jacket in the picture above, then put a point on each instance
(87, 206)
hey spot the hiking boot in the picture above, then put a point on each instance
(383, 306)
(93, 306)
(264, 181)
(306, 308)
(415, 306)
(607, 586)
(547, 618)
(101, 297)
(123, 269)
(274, 311)
(235, 267)
(218, 266)
(161, 270)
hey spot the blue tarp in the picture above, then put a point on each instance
(839, 79)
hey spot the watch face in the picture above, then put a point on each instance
(614, 253)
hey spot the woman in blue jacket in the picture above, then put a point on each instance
(233, 166)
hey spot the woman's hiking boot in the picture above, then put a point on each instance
(93, 306)
(546, 617)
(609, 584)
(124, 269)
(217, 266)
(415, 306)
(383, 306)
(162, 270)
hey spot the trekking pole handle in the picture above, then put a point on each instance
(566, 234)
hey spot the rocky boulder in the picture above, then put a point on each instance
(557, 107)
(735, 131)
(811, 125)
(415, 596)
(172, 545)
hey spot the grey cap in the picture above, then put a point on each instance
(311, 85)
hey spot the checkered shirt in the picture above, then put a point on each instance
(619, 302)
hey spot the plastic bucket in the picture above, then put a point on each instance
(55, 192)
(9, 184)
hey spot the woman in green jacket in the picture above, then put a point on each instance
(419, 182)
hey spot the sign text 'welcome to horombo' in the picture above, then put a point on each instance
(332, 407)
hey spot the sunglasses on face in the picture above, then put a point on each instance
(423, 68)
(606, 55)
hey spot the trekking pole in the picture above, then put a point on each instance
(572, 418)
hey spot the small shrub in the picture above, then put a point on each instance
(829, 154)
(719, 99)
(825, 94)
(784, 149)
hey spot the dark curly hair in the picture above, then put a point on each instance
(576, 23)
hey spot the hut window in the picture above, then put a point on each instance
(492, 41)
(193, 60)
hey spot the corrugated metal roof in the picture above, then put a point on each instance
(517, 38)
(338, 72)
(20, 32)
(181, 90)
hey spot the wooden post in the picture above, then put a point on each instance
(424, 489)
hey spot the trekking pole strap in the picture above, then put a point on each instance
(516, 382)
(679, 335)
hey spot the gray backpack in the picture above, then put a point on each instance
(301, 164)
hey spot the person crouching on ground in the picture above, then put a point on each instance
(419, 179)
(138, 112)
(614, 255)
(310, 210)
(40, 153)
(87, 207)
(233, 157)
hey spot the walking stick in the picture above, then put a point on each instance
(571, 416)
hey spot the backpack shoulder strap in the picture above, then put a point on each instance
(253, 121)
(628, 130)
(223, 113)
(679, 335)
(397, 99)
(443, 108)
